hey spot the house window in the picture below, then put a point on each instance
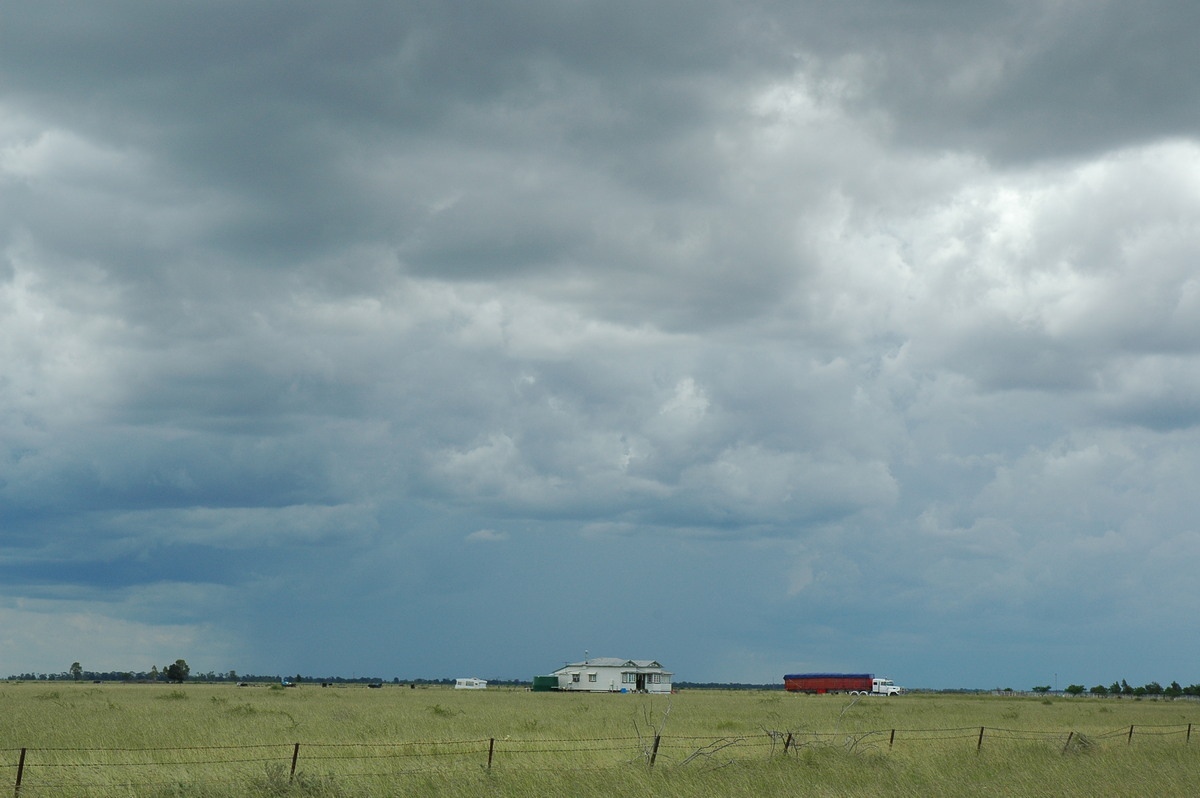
(575, 678)
(655, 678)
(591, 677)
(628, 678)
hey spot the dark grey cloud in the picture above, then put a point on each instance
(1016, 81)
(819, 308)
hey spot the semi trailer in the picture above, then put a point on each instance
(852, 683)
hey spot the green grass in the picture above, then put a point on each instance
(218, 741)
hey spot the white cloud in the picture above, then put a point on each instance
(487, 536)
(755, 485)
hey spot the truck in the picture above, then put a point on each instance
(852, 683)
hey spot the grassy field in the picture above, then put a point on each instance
(214, 741)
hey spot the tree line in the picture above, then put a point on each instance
(1123, 688)
(179, 671)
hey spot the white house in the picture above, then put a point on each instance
(470, 684)
(613, 675)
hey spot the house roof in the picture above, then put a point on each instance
(615, 662)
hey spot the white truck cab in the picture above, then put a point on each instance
(880, 687)
(885, 687)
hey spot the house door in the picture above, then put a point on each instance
(641, 682)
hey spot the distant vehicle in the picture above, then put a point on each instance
(286, 683)
(852, 683)
(470, 684)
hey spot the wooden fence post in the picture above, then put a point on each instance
(1189, 734)
(1068, 744)
(892, 739)
(654, 753)
(787, 743)
(1130, 740)
(491, 749)
(20, 773)
(979, 745)
(295, 756)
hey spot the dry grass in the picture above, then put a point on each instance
(194, 740)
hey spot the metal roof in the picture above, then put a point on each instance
(615, 662)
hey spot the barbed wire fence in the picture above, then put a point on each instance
(35, 771)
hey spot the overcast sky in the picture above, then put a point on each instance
(418, 339)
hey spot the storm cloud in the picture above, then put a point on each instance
(417, 339)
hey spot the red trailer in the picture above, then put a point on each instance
(839, 683)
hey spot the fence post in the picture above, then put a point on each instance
(787, 743)
(654, 753)
(295, 756)
(1130, 740)
(892, 739)
(1189, 734)
(20, 773)
(491, 749)
(1068, 744)
(979, 745)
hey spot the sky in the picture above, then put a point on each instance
(422, 340)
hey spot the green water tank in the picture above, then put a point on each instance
(544, 684)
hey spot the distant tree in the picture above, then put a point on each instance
(1125, 688)
(1154, 688)
(1115, 688)
(1045, 688)
(76, 671)
(1075, 689)
(232, 676)
(1099, 690)
(154, 673)
(1174, 690)
(177, 671)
